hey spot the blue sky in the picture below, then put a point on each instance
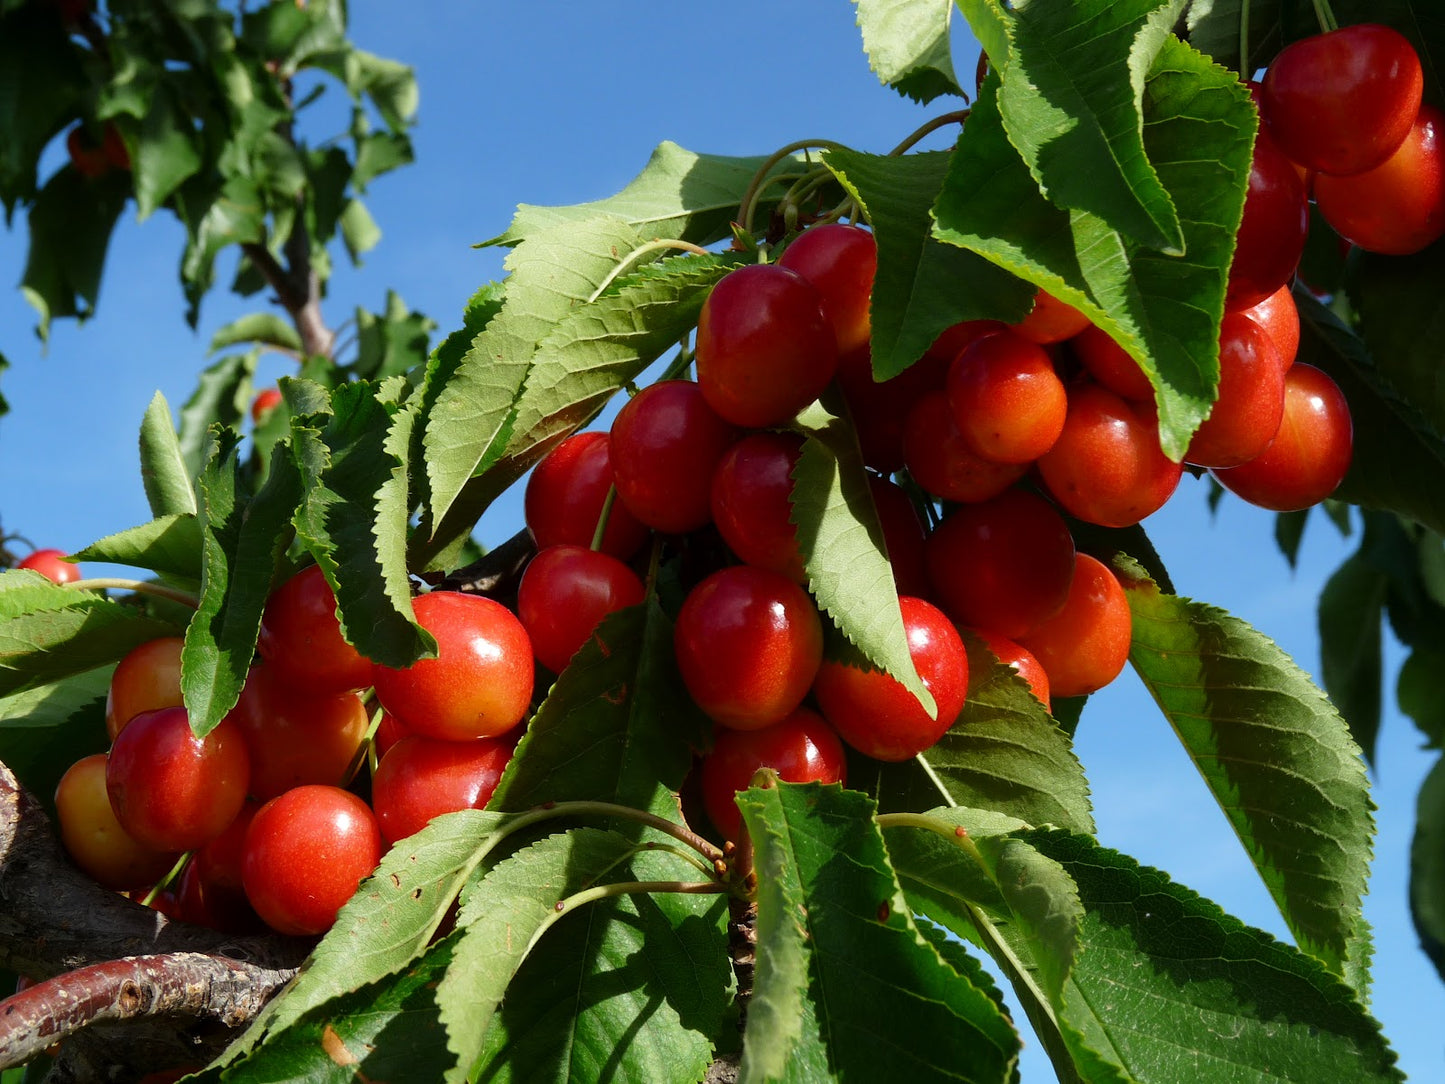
(551, 102)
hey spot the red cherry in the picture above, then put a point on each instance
(1003, 564)
(301, 637)
(267, 400)
(1309, 455)
(1398, 207)
(1271, 236)
(1247, 412)
(1086, 644)
(1007, 401)
(1051, 320)
(220, 860)
(171, 790)
(879, 409)
(1279, 317)
(1111, 365)
(565, 593)
(1107, 467)
(839, 260)
(52, 565)
(306, 852)
(1342, 102)
(147, 678)
(421, 778)
(877, 715)
(801, 748)
(764, 348)
(94, 838)
(88, 158)
(666, 443)
(748, 644)
(1020, 659)
(941, 461)
(752, 501)
(480, 683)
(566, 492)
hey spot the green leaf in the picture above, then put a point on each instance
(1274, 752)
(836, 936)
(1164, 310)
(234, 214)
(47, 728)
(43, 84)
(553, 272)
(1427, 867)
(626, 706)
(49, 633)
(359, 230)
(168, 545)
(1350, 609)
(843, 550)
(267, 328)
(162, 464)
(922, 285)
(1167, 986)
(222, 396)
(70, 225)
(678, 194)
(908, 46)
(350, 474)
(1214, 29)
(243, 538)
(378, 153)
(605, 344)
(390, 342)
(1418, 692)
(1005, 753)
(165, 154)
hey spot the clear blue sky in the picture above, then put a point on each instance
(551, 102)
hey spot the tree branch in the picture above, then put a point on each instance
(299, 291)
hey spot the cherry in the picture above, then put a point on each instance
(86, 156)
(306, 852)
(1086, 644)
(171, 790)
(267, 400)
(1107, 467)
(148, 677)
(94, 838)
(941, 461)
(840, 261)
(51, 564)
(764, 348)
(1279, 317)
(1398, 207)
(666, 443)
(1272, 231)
(1007, 401)
(220, 860)
(565, 593)
(748, 643)
(295, 737)
(1111, 365)
(214, 906)
(565, 495)
(879, 409)
(480, 683)
(875, 714)
(1021, 660)
(114, 148)
(801, 748)
(421, 778)
(752, 501)
(388, 732)
(1247, 412)
(1051, 320)
(1309, 455)
(1004, 565)
(301, 637)
(1342, 102)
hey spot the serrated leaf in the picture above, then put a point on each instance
(605, 344)
(243, 538)
(1274, 752)
(1164, 310)
(353, 514)
(922, 285)
(1427, 866)
(617, 726)
(552, 272)
(70, 223)
(631, 988)
(1169, 987)
(1005, 753)
(885, 1005)
(35, 51)
(168, 545)
(165, 152)
(163, 464)
(679, 194)
(843, 550)
(222, 396)
(268, 328)
(1071, 100)
(908, 46)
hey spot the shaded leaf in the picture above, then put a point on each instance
(70, 225)
(908, 46)
(47, 728)
(1350, 609)
(168, 545)
(165, 152)
(222, 396)
(1427, 867)
(269, 328)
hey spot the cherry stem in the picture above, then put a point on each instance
(936, 781)
(760, 180)
(686, 855)
(1244, 66)
(631, 259)
(679, 364)
(160, 886)
(958, 116)
(140, 587)
(628, 888)
(1326, 16)
(602, 518)
(685, 836)
(366, 750)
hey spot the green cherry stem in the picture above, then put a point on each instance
(140, 587)
(160, 886)
(958, 116)
(936, 781)
(1326, 16)
(749, 205)
(602, 518)
(1244, 68)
